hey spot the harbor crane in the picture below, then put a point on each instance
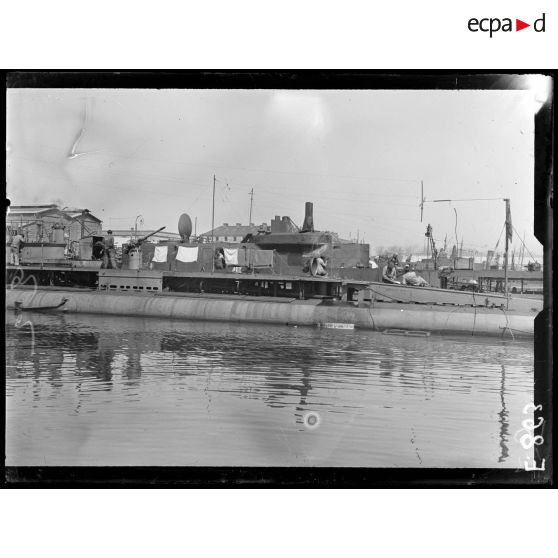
(432, 244)
(508, 225)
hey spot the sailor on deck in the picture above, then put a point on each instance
(320, 267)
(219, 259)
(389, 272)
(109, 254)
(15, 248)
(411, 278)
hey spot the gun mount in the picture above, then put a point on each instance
(136, 244)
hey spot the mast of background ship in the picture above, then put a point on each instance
(213, 224)
(508, 238)
(251, 194)
(509, 230)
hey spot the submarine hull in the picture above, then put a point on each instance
(381, 316)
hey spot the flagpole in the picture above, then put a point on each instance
(213, 225)
(508, 228)
(251, 194)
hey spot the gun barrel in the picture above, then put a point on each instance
(143, 238)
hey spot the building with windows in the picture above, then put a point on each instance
(83, 223)
(232, 233)
(37, 222)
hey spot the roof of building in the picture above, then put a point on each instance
(233, 230)
(76, 213)
(31, 209)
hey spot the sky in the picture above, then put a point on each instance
(359, 155)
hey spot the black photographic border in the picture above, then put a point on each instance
(320, 477)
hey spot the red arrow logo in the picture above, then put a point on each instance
(519, 25)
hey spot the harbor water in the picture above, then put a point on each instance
(96, 390)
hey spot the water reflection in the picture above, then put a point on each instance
(387, 363)
(165, 392)
(503, 418)
(133, 364)
(304, 389)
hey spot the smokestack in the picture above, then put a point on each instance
(308, 225)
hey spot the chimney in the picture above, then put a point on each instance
(308, 225)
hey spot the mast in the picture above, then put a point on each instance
(213, 213)
(508, 227)
(508, 238)
(432, 245)
(422, 200)
(213, 223)
(251, 194)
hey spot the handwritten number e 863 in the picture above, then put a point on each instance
(528, 440)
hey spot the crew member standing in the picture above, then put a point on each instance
(219, 259)
(15, 249)
(101, 253)
(109, 251)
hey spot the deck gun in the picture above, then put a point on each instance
(136, 244)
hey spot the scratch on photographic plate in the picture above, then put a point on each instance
(416, 448)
